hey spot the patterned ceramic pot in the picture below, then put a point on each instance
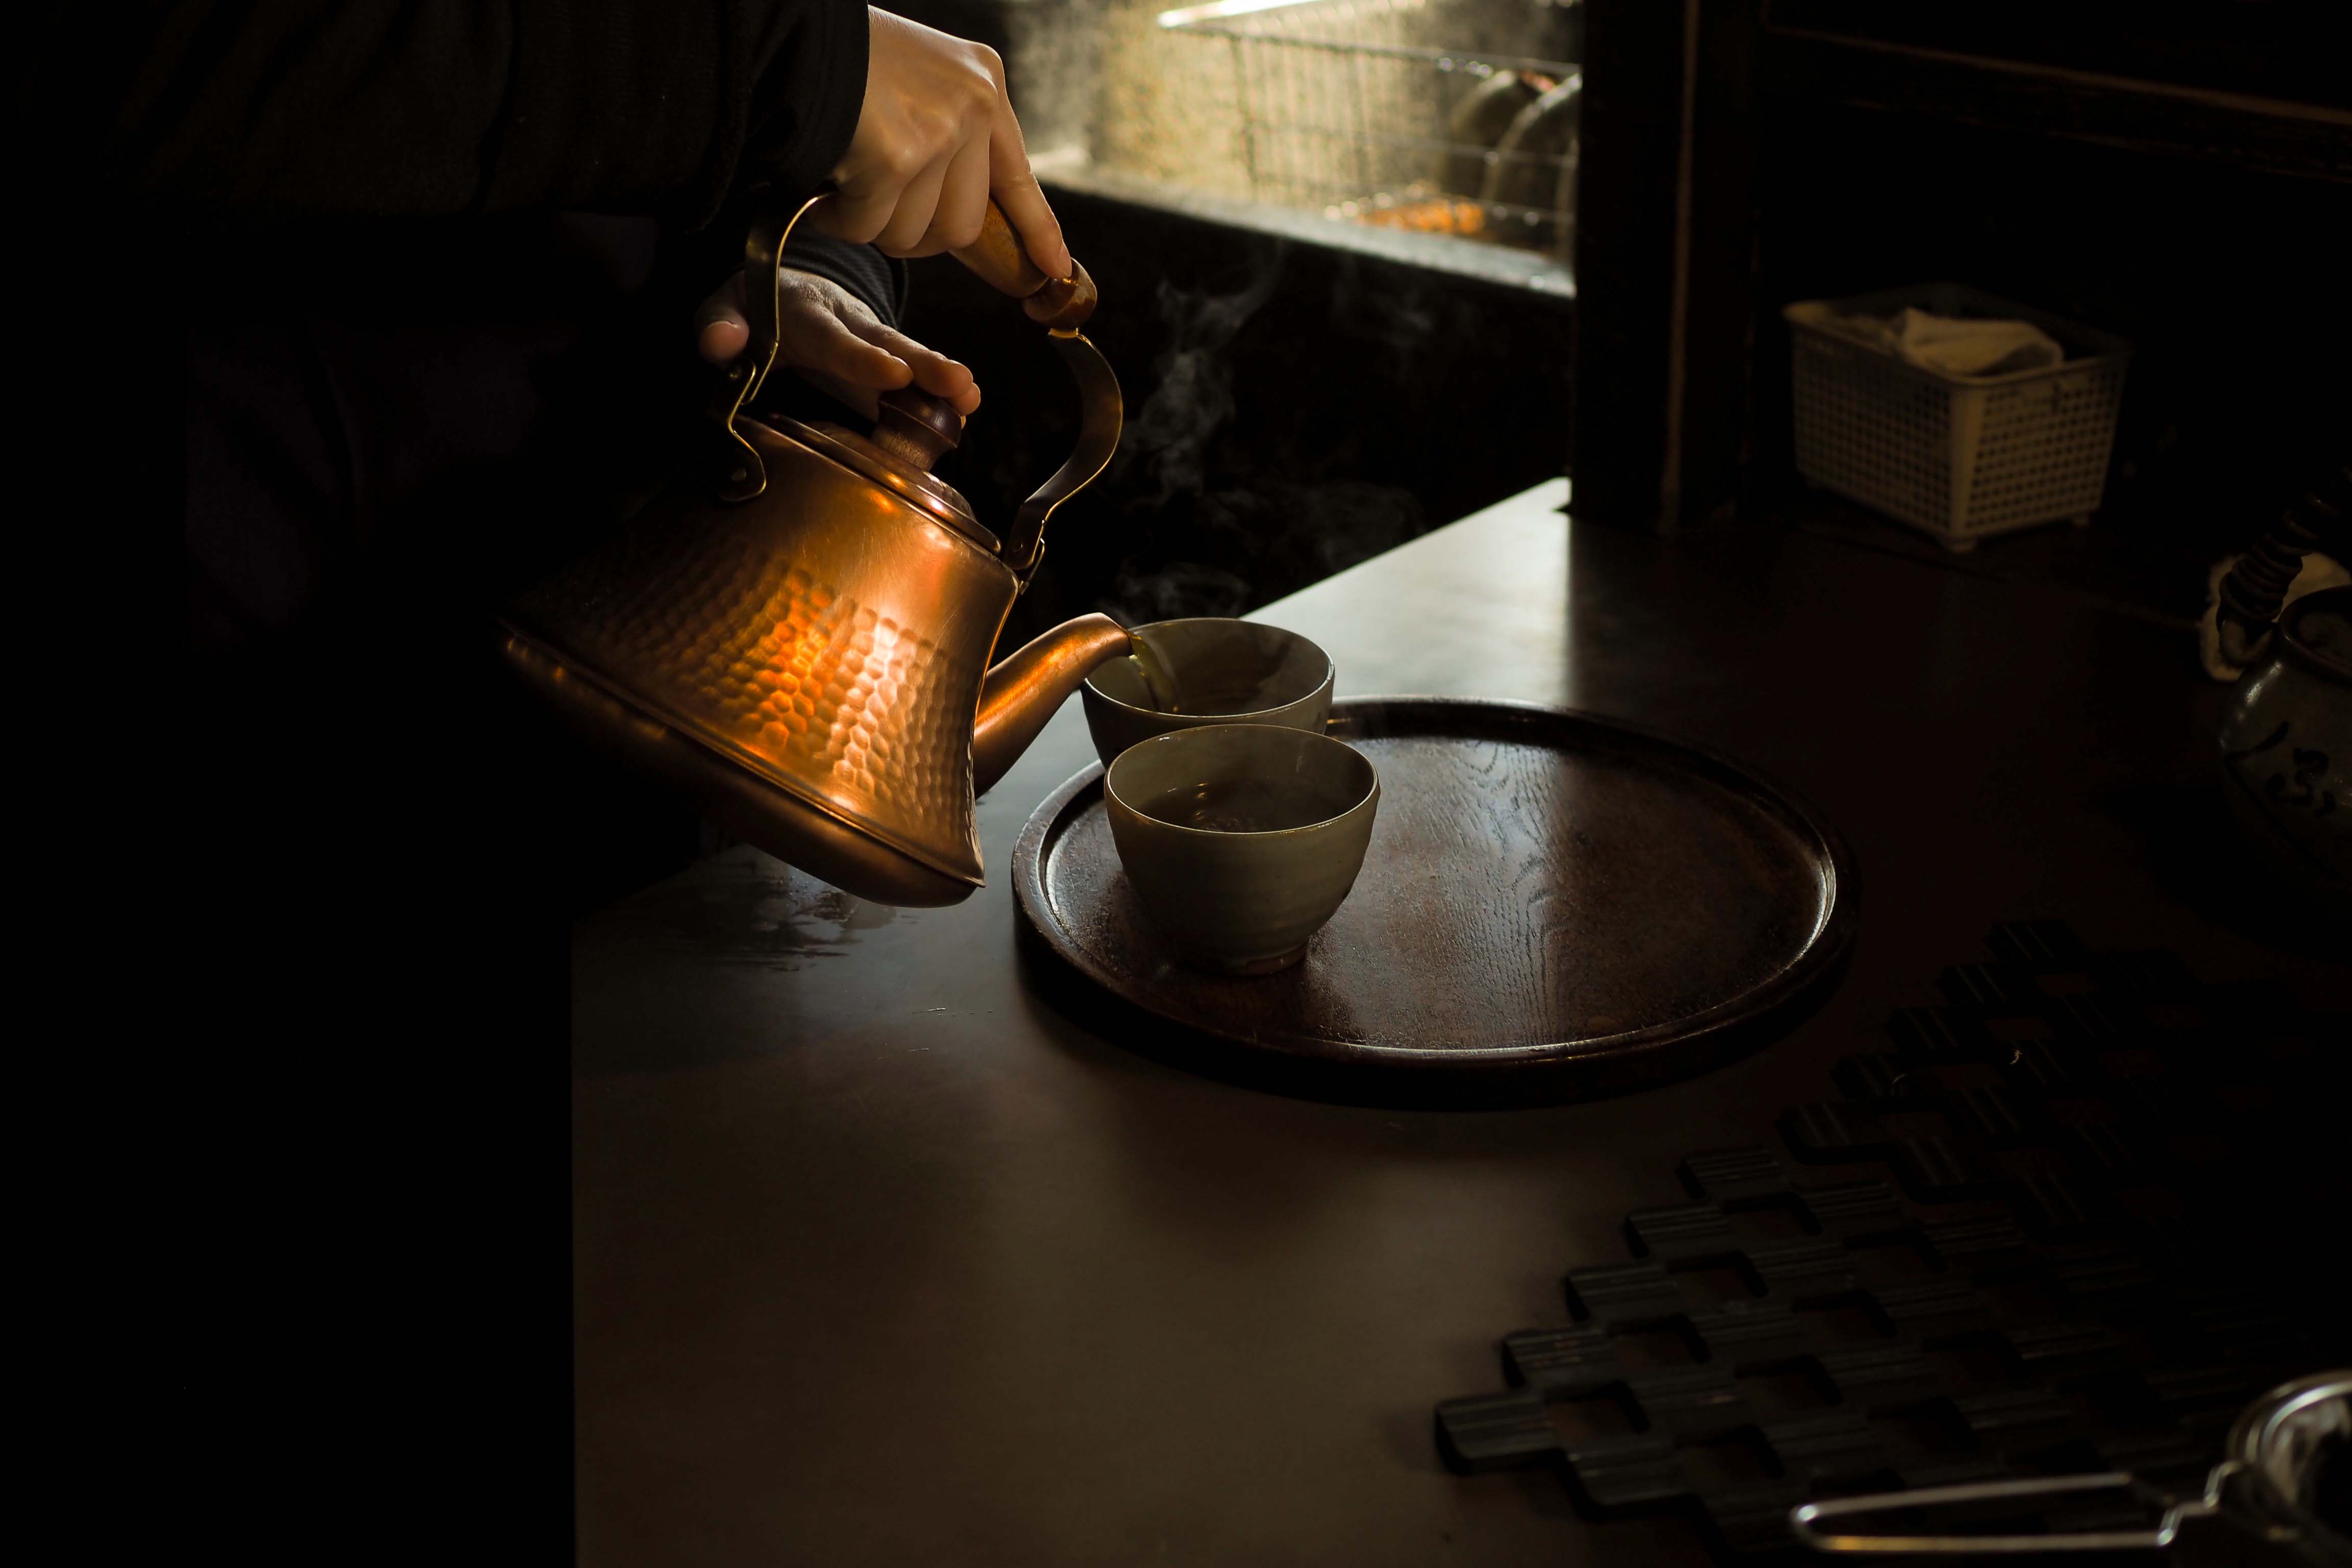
(2286, 749)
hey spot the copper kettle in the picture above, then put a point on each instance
(800, 640)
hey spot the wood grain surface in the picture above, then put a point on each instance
(837, 1163)
(1544, 890)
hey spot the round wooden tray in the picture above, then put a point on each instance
(1554, 906)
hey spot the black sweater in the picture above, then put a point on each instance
(420, 144)
(401, 240)
(393, 108)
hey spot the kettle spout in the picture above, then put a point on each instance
(1026, 687)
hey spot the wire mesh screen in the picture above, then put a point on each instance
(1449, 117)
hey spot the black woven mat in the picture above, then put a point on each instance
(2073, 1218)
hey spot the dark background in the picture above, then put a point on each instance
(2218, 254)
(2179, 173)
(2167, 172)
(266, 1106)
(2287, 49)
(1290, 410)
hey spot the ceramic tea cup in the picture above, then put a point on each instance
(1241, 840)
(1225, 671)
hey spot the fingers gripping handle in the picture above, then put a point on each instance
(1059, 304)
(1062, 304)
(915, 425)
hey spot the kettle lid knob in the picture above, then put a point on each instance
(915, 427)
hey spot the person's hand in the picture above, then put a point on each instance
(833, 340)
(934, 139)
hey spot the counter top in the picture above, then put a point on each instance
(881, 1259)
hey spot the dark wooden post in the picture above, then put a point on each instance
(1665, 245)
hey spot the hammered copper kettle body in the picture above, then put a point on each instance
(801, 641)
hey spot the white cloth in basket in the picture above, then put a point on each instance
(1948, 346)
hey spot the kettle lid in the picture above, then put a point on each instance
(926, 492)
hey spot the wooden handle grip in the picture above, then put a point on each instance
(1061, 303)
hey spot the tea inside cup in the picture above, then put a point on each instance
(1241, 841)
(1217, 671)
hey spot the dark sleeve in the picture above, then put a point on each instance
(382, 108)
(879, 280)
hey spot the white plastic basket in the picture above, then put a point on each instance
(1960, 457)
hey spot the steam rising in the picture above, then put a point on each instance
(1203, 548)
(1193, 397)
(1210, 526)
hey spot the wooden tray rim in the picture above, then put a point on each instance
(1827, 946)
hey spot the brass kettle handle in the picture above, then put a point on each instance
(1060, 305)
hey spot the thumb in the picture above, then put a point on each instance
(722, 330)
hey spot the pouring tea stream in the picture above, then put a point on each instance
(1159, 674)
